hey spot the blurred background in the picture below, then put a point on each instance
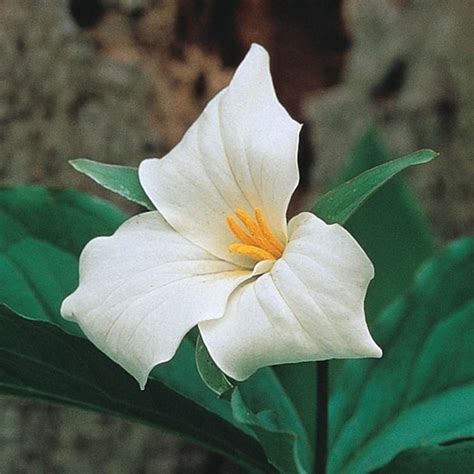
(121, 80)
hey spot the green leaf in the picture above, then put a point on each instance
(339, 204)
(180, 375)
(389, 227)
(65, 218)
(278, 444)
(122, 180)
(455, 458)
(261, 404)
(210, 373)
(42, 232)
(421, 391)
(38, 289)
(264, 410)
(38, 360)
(299, 382)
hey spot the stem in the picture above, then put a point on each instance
(322, 386)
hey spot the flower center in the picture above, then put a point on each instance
(257, 241)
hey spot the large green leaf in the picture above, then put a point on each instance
(42, 232)
(422, 390)
(122, 180)
(65, 218)
(457, 458)
(389, 226)
(39, 360)
(36, 276)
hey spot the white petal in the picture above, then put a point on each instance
(240, 153)
(310, 306)
(142, 289)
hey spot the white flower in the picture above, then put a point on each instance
(218, 252)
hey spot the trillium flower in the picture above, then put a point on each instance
(218, 252)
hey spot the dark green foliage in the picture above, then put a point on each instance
(422, 390)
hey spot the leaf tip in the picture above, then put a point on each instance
(77, 162)
(430, 154)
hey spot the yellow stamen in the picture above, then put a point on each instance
(238, 232)
(261, 244)
(267, 232)
(256, 233)
(248, 222)
(256, 253)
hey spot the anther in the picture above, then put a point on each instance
(257, 240)
(255, 253)
(256, 233)
(267, 232)
(238, 232)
